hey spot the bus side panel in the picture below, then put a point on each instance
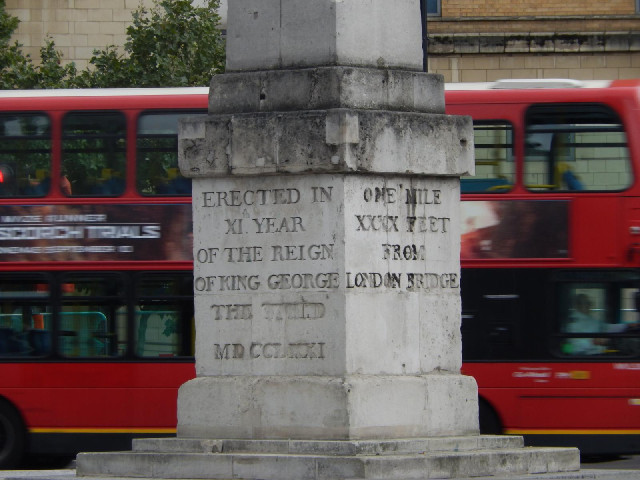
(558, 398)
(96, 397)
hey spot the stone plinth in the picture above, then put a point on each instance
(327, 273)
(331, 312)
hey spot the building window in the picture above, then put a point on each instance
(433, 7)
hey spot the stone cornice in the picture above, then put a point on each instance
(538, 18)
(543, 42)
(527, 24)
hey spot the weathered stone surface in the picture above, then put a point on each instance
(491, 42)
(326, 141)
(274, 466)
(466, 43)
(269, 34)
(617, 42)
(542, 42)
(328, 307)
(347, 408)
(327, 275)
(534, 42)
(330, 447)
(324, 88)
(516, 44)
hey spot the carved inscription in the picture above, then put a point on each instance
(279, 246)
(272, 226)
(252, 233)
(237, 351)
(408, 281)
(277, 281)
(412, 196)
(272, 311)
(232, 312)
(275, 253)
(241, 198)
(365, 223)
(293, 311)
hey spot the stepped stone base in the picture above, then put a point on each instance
(437, 457)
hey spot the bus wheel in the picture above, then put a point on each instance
(12, 436)
(489, 421)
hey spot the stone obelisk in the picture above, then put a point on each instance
(326, 195)
(326, 261)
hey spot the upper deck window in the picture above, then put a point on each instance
(576, 147)
(495, 169)
(93, 153)
(157, 169)
(25, 155)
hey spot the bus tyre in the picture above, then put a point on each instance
(12, 436)
(489, 421)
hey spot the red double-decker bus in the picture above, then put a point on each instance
(550, 254)
(96, 299)
(96, 302)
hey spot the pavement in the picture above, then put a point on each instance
(585, 474)
(38, 474)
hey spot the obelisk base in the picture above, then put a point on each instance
(443, 457)
(329, 408)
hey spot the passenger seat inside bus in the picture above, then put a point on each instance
(13, 343)
(176, 184)
(109, 183)
(5, 334)
(569, 179)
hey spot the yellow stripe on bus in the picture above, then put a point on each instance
(572, 432)
(101, 430)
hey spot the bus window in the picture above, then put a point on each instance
(157, 171)
(164, 315)
(93, 153)
(495, 169)
(501, 312)
(25, 155)
(598, 319)
(25, 318)
(93, 317)
(578, 147)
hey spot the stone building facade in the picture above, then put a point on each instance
(469, 40)
(487, 40)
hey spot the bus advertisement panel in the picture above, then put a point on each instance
(515, 229)
(95, 233)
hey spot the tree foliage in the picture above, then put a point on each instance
(174, 43)
(171, 44)
(13, 64)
